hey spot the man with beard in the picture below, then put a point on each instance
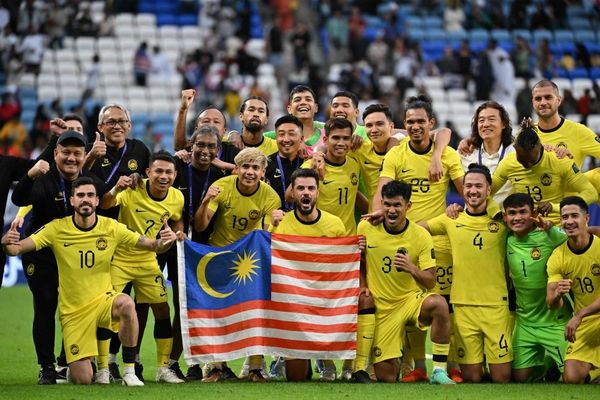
(254, 114)
(479, 293)
(87, 300)
(45, 188)
(307, 220)
(400, 270)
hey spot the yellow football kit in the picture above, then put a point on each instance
(326, 224)
(580, 140)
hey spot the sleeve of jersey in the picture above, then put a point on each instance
(178, 211)
(43, 236)
(578, 183)
(500, 176)
(389, 165)
(124, 236)
(269, 134)
(556, 236)
(554, 270)
(273, 204)
(437, 225)
(454, 164)
(307, 164)
(427, 254)
(590, 142)
(122, 197)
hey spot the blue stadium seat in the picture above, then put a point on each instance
(524, 33)
(579, 72)
(414, 22)
(501, 35)
(479, 35)
(140, 119)
(416, 33)
(166, 7)
(187, 19)
(595, 73)
(436, 34)
(457, 36)
(562, 48)
(374, 22)
(585, 35)
(540, 34)
(433, 22)
(162, 118)
(563, 35)
(476, 45)
(370, 34)
(579, 23)
(593, 47)
(146, 7)
(563, 73)
(166, 19)
(26, 92)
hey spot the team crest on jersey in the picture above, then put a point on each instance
(165, 217)
(254, 214)
(546, 180)
(493, 226)
(561, 145)
(30, 269)
(536, 253)
(376, 351)
(132, 165)
(101, 244)
(74, 349)
(596, 269)
(569, 349)
(354, 179)
(460, 352)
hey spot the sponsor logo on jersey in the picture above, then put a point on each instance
(106, 162)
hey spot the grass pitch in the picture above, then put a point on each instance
(18, 376)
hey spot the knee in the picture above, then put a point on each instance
(573, 377)
(471, 376)
(125, 307)
(438, 307)
(500, 374)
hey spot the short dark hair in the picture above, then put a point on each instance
(576, 201)
(506, 136)
(397, 188)
(304, 173)
(163, 156)
(518, 200)
(475, 168)
(546, 83)
(206, 130)
(73, 117)
(211, 107)
(300, 89)
(243, 106)
(527, 138)
(289, 119)
(421, 101)
(337, 123)
(378, 107)
(83, 180)
(350, 95)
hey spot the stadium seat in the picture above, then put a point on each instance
(524, 33)
(416, 33)
(414, 22)
(145, 19)
(459, 105)
(436, 34)
(123, 19)
(433, 22)
(170, 31)
(479, 35)
(457, 36)
(540, 34)
(595, 73)
(166, 19)
(501, 35)
(585, 35)
(578, 72)
(579, 23)
(579, 85)
(187, 19)
(593, 122)
(563, 35)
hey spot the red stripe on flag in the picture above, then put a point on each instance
(314, 275)
(317, 258)
(317, 293)
(336, 241)
(274, 306)
(273, 342)
(272, 324)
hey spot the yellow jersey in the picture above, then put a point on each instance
(548, 180)
(478, 251)
(582, 267)
(326, 225)
(239, 214)
(371, 164)
(406, 164)
(83, 257)
(337, 191)
(145, 215)
(580, 140)
(388, 285)
(267, 146)
(594, 178)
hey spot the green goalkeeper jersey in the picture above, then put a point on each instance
(527, 258)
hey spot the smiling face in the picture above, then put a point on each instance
(305, 192)
(161, 176)
(69, 158)
(85, 200)
(545, 101)
(212, 117)
(289, 139)
(489, 124)
(574, 220)
(338, 144)
(475, 189)
(303, 105)
(342, 107)
(418, 124)
(249, 175)
(115, 126)
(204, 150)
(378, 127)
(519, 219)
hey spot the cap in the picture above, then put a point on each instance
(71, 136)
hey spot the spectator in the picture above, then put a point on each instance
(162, 67)
(192, 75)
(14, 68)
(9, 108)
(545, 60)
(378, 54)
(520, 58)
(450, 69)
(478, 18)
(13, 136)
(540, 19)
(32, 49)
(569, 104)
(275, 46)
(337, 30)
(584, 104)
(559, 12)
(32, 15)
(523, 103)
(464, 58)
(484, 77)
(454, 16)
(92, 78)
(503, 90)
(300, 39)
(141, 64)
(56, 24)
(518, 13)
(582, 56)
(405, 66)
(84, 24)
(357, 42)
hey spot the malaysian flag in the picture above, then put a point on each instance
(280, 295)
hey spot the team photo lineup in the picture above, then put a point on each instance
(444, 260)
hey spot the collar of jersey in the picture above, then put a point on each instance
(311, 222)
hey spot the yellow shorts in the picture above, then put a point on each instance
(79, 328)
(443, 269)
(482, 329)
(148, 282)
(390, 325)
(586, 347)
